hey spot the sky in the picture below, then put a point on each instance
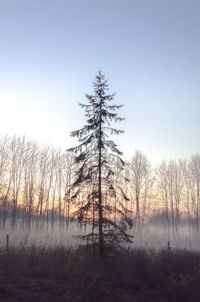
(149, 50)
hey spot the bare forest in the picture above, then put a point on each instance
(34, 181)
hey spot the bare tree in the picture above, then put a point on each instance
(194, 184)
(141, 182)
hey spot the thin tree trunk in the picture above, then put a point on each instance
(101, 239)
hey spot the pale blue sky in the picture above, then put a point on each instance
(149, 50)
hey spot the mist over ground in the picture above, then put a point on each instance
(149, 237)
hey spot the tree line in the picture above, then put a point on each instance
(34, 181)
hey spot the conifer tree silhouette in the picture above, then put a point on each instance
(97, 189)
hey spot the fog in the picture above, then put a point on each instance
(148, 236)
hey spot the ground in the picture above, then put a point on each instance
(40, 275)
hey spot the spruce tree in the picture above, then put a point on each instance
(97, 190)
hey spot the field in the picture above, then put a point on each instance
(60, 274)
(52, 265)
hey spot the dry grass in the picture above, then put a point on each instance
(39, 274)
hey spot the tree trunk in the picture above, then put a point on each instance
(101, 239)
